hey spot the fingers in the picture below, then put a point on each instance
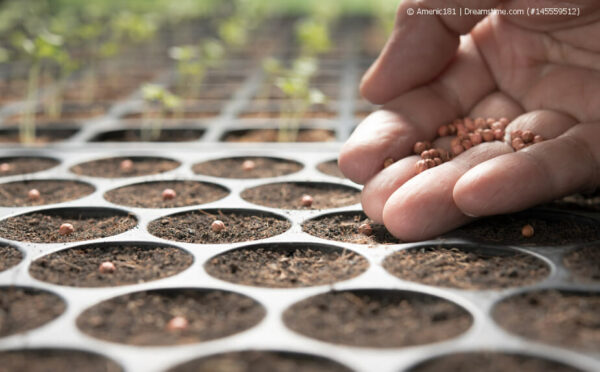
(539, 173)
(497, 105)
(419, 49)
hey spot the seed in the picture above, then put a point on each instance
(499, 134)
(517, 143)
(126, 165)
(475, 138)
(528, 136)
(470, 124)
(480, 123)
(461, 129)
(421, 146)
(444, 155)
(443, 131)
(177, 323)
(306, 200)
(490, 121)
(365, 229)
(537, 138)
(466, 144)
(420, 166)
(504, 121)
(169, 194)
(4, 167)
(516, 133)
(437, 161)
(527, 231)
(66, 229)
(429, 163)
(107, 267)
(487, 135)
(217, 226)
(33, 194)
(387, 162)
(457, 149)
(248, 165)
(451, 129)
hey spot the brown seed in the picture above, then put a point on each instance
(169, 194)
(451, 129)
(437, 161)
(248, 165)
(538, 138)
(107, 267)
(517, 143)
(126, 165)
(443, 131)
(444, 155)
(470, 125)
(421, 146)
(475, 138)
(177, 323)
(504, 121)
(66, 229)
(528, 136)
(217, 226)
(4, 167)
(461, 129)
(420, 166)
(516, 133)
(387, 162)
(33, 194)
(306, 200)
(429, 163)
(365, 229)
(457, 149)
(466, 144)
(487, 135)
(497, 125)
(498, 134)
(490, 121)
(527, 231)
(480, 123)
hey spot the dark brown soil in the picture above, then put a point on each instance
(135, 263)
(9, 257)
(286, 265)
(264, 361)
(141, 318)
(278, 114)
(330, 168)
(14, 194)
(149, 194)
(43, 135)
(70, 111)
(232, 167)
(47, 360)
(288, 195)
(579, 202)
(584, 263)
(135, 135)
(491, 362)
(23, 309)
(551, 230)
(271, 135)
(466, 268)
(187, 114)
(343, 227)
(377, 318)
(240, 226)
(24, 165)
(568, 319)
(110, 167)
(89, 223)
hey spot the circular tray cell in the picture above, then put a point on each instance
(23, 165)
(568, 319)
(144, 318)
(290, 195)
(250, 361)
(23, 309)
(330, 168)
(584, 263)
(134, 263)
(377, 318)
(46, 360)
(240, 226)
(247, 167)
(287, 265)
(136, 135)
(115, 167)
(490, 362)
(19, 194)
(550, 229)
(272, 135)
(150, 194)
(345, 227)
(9, 257)
(88, 223)
(466, 267)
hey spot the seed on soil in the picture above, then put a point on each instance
(66, 229)
(345, 227)
(527, 231)
(365, 229)
(5, 167)
(126, 165)
(169, 194)
(46, 360)
(22, 165)
(306, 200)
(33, 194)
(234, 167)
(177, 324)
(248, 165)
(217, 226)
(387, 162)
(107, 267)
(41, 192)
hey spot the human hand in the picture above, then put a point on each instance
(540, 72)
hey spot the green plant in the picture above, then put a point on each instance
(192, 63)
(313, 37)
(159, 101)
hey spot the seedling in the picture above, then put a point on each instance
(248, 165)
(107, 267)
(168, 194)
(33, 195)
(313, 37)
(177, 323)
(66, 229)
(365, 229)
(159, 101)
(192, 63)
(527, 231)
(217, 226)
(126, 165)
(306, 200)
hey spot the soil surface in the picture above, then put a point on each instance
(9, 257)
(330, 168)
(141, 318)
(42, 227)
(579, 202)
(463, 268)
(288, 195)
(47, 360)
(232, 167)
(24, 165)
(43, 135)
(584, 263)
(135, 135)
(568, 319)
(111, 167)
(23, 309)
(15, 194)
(553, 230)
(286, 265)
(343, 227)
(249, 114)
(491, 362)
(240, 226)
(377, 318)
(149, 194)
(271, 135)
(135, 263)
(187, 114)
(266, 361)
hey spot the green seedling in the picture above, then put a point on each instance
(192, 63)
(159, 101)
(313, 37)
